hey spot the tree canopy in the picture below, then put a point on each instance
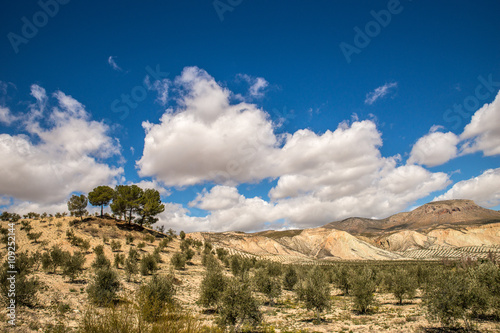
(101, 196)
(77, 205)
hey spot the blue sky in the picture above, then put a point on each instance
(249, 114)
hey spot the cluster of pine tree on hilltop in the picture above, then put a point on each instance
(124, 201)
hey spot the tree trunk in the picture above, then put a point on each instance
(102, 207)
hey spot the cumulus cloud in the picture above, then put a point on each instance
(483, 131)
(379, 92)
(483, 189)
(320, 177)
(6, 117)
(257, 85)
(113, 64)
(434, 149)
(61, 158)
(210, 139)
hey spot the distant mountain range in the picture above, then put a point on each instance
(451, 229)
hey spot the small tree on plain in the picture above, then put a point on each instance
(213, 285)
(155, 296)
(238, 306)
(404, 285)
(314, 291)
(73, 265)
(363, 289)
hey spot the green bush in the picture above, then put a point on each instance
(314, 291)
(26, 286)
(238, 306)
(148, 264)
(178, 260)
(104, 287)
(101, 262)
(155, 296)
(54, 258)
(73, 265)
(99, 249)
(404, 285)
(129, 239)
(290, 278)
(267, 284)
(363, 289)
(212, 285)
(119, 260)
(115, 245)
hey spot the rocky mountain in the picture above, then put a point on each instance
(452, 228)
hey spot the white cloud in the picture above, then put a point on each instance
(161, 87)
(321, 177)
(483, 131)
(434, 149)
(483, 189)
(210, 139)
(6, 117)
(379, 92)
(113, 64)
(62, 160)
(144, 184)
(219, 197)
(257, 85)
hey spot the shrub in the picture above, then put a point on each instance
(212, 285)
(101, 262)
(148, 264)
(267, 284)
(363, 289)
(54, 258)
(238, 305)
(342, 279)
(141, 245)
(154, 296)
(105, 285)
(129, 239)
(99, 249)
(178, 260)
(26, 286)
(34, 236)
(115, 245)
(454, 295)
(130, 267)
(73, 265)
(235, 265)
(189, 253)
(119, 260)
(221, 253)
(182, 235)
(290, 278)
(314, 291)
(404, 285)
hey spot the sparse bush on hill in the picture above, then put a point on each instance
(119, 260)
(115, 245)
(141, 245)
(129, 239)
(26, 286)
(54, 258)
(148, 264)
(343, 279)
(221, 253)
(101, 262)
(104, 287)
(34, 236)
(178, 260)
(182, 235)
(213, 283)
(73, 265)
(99, 249)
(155, 296)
